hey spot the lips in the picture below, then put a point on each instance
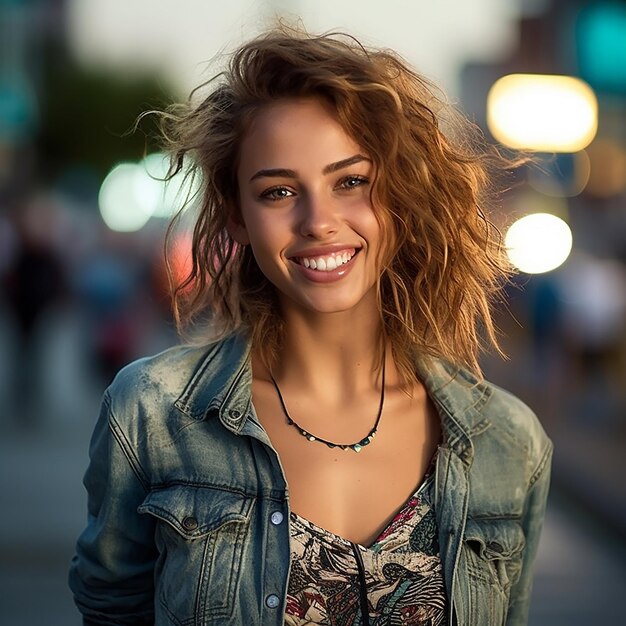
(324, 265)
(325, 260)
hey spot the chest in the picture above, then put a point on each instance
(355, 494)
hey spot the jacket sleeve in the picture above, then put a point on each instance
(111, 575)
(532, 523)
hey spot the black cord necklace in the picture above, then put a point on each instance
(357, 447)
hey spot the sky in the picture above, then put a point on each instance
(178, 37)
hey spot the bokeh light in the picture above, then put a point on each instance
(118, 200)
(562, 175)
(542, 112)
(600, 45)
(538, 243)
(164, 198)
(132, 193)
(180, 257)
(608, 168)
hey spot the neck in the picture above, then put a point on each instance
(335, 354)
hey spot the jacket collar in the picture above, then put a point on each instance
(459, 397)
(223, 380)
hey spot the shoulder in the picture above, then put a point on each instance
(513, 423)
(506, 434)
(154, 385)
(498, 427)
(162, 375)
(511, 415)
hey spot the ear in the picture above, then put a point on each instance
(237, 229)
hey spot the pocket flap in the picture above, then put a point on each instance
(495, 538)
(196, 511)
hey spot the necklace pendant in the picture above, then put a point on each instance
(356, 447)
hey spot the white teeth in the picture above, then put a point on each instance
(327, 264)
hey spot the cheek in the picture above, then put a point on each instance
(263, 239)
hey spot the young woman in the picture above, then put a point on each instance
(331, 455)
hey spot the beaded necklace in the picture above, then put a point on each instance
(358, 445)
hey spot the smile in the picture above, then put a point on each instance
(327, 263)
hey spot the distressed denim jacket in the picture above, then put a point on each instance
(188, 510)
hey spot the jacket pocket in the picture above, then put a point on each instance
(201, 535)
(492, 558)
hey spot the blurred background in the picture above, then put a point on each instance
(82, 221)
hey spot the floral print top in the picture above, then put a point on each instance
(399, 577)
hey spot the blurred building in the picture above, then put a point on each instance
(573, 319)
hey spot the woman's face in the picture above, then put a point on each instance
(305, 209)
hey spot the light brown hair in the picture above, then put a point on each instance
(443, 264)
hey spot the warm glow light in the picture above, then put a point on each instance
(119, 207)
(542, 112)
(608, 168)
(538, 243)
(180, 257)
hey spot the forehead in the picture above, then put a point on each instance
(288, 132)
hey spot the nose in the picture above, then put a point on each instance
(318, 216)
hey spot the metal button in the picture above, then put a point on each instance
(234, 413)
(190, 523)
(272, 601)
(277, 518)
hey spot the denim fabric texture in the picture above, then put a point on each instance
(184, 488)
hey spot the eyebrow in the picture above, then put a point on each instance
(328, 169)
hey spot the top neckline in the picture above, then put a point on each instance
(328, 536)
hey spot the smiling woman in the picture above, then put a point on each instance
(302, 221)
(327, 454)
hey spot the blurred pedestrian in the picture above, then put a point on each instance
(35, 282)
(331, 454)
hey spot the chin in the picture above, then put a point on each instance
(332, 305)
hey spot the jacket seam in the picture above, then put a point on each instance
(202, 485)
(127, 450)
(230, 392)
(542, 465)
(496, 518)
(183, 402)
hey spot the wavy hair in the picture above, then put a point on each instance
(444, 262)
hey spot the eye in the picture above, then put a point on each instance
(352, 182)
(276, 193)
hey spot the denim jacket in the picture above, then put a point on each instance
(188, 509)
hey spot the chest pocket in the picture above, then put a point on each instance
(497, 543)
(201, 536)
(492, 557)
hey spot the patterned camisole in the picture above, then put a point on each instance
(397, 580)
